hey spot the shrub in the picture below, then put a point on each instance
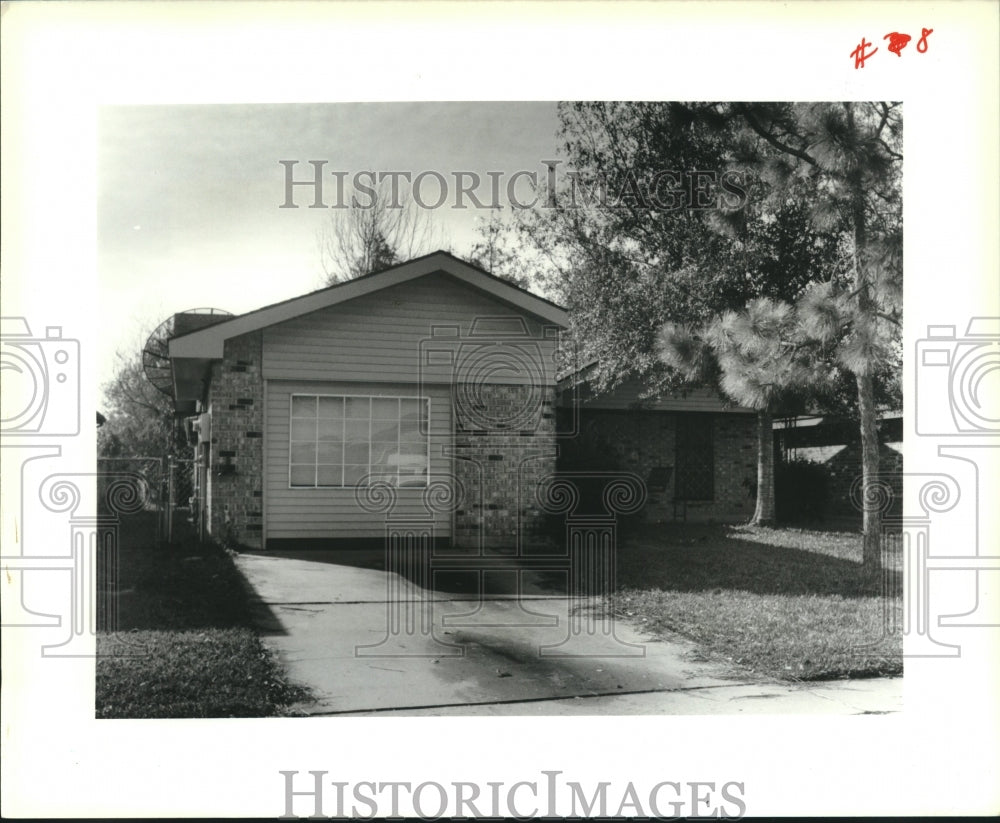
(801, 489)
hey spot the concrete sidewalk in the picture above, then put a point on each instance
(367, 642)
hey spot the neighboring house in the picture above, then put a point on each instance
(433, 378)
(696, 453)
(834, 443)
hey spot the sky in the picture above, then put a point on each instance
(189, 196)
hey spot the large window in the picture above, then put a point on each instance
(342, 440)
(695, 457)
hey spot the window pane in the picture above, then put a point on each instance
(330, 429)
(331, 407)
(356, 452)
(303, 429)
(383, 476)
(409, 408)
(303, 406)
(385, 408)
(414, 465)
(303, 452)
(385, 454)
(355, 430)
(414, 447)
(413, 471)
(329, 453)
(409, 428)
(358, 407)
(329, 475)
(353, 474)
(303, 476)
(384, 430)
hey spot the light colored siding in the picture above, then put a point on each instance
(334, 512)
(379, 337)
(628, 395)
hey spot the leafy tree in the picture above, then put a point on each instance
(823, 208)
(625, 252)
(628, 265)
(139, 418)
(373, 234)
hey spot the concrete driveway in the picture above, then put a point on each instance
(507, 642)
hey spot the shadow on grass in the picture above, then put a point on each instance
(688, 558)
(181, 586)
(670, 557)
(452, 571)
(187, 618)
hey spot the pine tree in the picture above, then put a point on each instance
(850, 153)
(758, 358)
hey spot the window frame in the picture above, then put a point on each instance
(425, 434)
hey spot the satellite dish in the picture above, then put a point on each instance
(156, 352)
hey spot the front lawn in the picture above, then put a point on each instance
(788, 603)
(185, 645)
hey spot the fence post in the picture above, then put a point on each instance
(170, 499)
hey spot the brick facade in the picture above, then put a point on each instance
(644, 442)
(236, 467)
(504, 447)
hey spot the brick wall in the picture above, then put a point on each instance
(644, 442)
(236, 398)
(504, 446)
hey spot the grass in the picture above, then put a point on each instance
(785, 603)
(185, 645)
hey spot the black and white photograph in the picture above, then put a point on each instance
(422, 403)
(589, 430)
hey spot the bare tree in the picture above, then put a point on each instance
(380, 228)
(497, 248)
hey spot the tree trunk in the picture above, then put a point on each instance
(764, 513)
(872, 514)
(871, 524)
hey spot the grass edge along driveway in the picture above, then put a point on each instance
(186, 608)
(785, 603)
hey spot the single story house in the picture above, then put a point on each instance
(424, 394)
(696, 453)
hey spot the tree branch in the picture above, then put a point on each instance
(774, 141)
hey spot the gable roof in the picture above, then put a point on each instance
(209, 342)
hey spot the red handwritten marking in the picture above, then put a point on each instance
(923, 39)
(897, 42)
(860, 55)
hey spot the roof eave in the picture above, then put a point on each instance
(209, 342)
